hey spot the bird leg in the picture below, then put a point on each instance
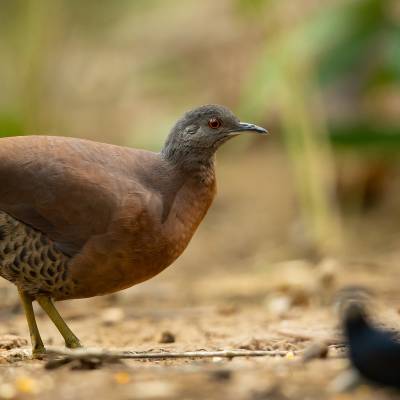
(36, 341)
(71, 341)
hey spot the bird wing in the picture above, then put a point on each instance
(66, 188)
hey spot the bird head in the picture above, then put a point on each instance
(352, 304)
(197, 135)
(354, 312)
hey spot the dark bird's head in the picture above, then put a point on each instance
(354, 316)
(197, 135)
(352, 303)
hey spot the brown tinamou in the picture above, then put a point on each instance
(80, 218)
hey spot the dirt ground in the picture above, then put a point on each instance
(241, 284)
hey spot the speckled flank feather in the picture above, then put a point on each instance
(30, 259)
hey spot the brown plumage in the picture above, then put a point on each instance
(80, 218)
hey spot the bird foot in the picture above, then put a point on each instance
(73, 344)
(39, 352)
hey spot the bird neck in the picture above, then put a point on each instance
(194, 179)
(199, 165)
(355, 325)
(185, 208)
(172, 182)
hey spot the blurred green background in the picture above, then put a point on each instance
(322, 76)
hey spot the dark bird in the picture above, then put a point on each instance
(80, 218)
(373, 352)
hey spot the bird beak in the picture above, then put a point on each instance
(246, 127)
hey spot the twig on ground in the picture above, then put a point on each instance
(127, 354)
(94, 358)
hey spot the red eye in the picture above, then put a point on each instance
(214, 123)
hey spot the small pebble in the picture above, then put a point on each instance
(315, 350)
(167, 337)
(221, 375)
(112, 315)
(122, 378)
(25, 384)
(290, 355)
(153, 389)
(278, 305)
(227, 310)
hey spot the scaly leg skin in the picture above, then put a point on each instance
(71, 341)
(38, 348)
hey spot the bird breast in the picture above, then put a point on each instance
(135, 250)
(187, 211)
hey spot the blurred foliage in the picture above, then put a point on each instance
(351, 48)
(367, 137)
(10, 125)
(328, 72)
